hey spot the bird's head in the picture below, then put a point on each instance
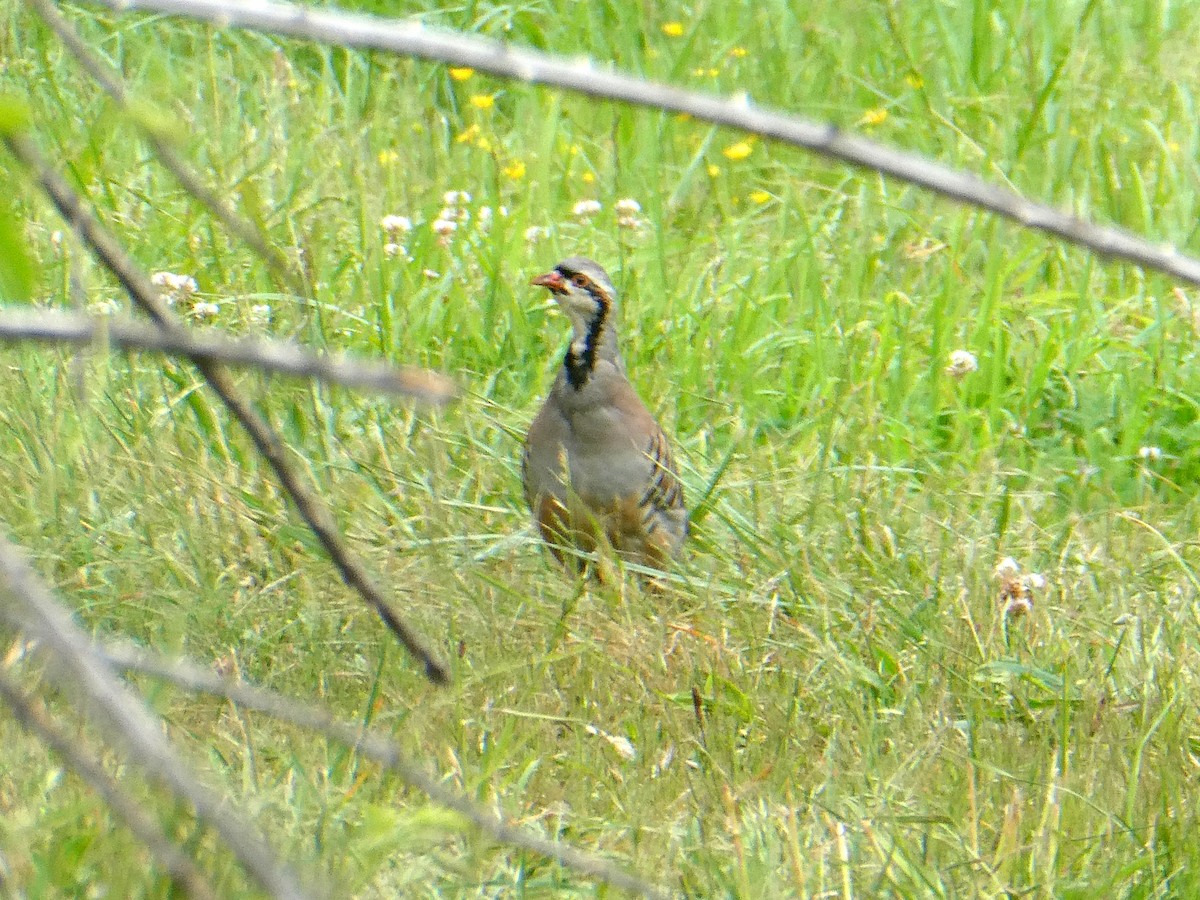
(582, 290)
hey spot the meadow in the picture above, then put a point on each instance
(834, 694)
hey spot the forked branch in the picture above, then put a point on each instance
(137, 285)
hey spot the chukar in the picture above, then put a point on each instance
(597, 468)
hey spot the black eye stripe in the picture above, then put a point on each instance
(585, 282)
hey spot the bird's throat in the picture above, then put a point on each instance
(580, 360)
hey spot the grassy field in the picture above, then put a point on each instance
(871, 721)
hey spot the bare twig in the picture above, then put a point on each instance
(110, 82)
(193, 677)
(138, 286)
(27, 604)
(411, 38)
(149, 832)
(280, 357)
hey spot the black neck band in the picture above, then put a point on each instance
(580, 365)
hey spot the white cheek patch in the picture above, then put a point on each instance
(580, 321)
(583, 307)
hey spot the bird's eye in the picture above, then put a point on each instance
(579, 280)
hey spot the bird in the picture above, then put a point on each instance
(597, 469)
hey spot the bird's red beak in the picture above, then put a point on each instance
(552, 280)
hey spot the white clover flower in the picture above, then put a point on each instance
(1007, 568)
(484, 214)
(1150, 454)
(260, 313)
(627, 214)
(395, 225)
(430, 274)
(456, 198)
(535, 233)
(585, 208)
(173, 288)
(205, 310)
(444, 227)
(503, 210)
(962, 363)
(108, 307)
(180, 284)
(1017, 590)
(393, 249)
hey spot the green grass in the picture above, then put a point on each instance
(872, 724)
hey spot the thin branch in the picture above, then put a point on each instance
(27, 604)
(137, 285)
(411, 38)
(193, 677)
(177, 863)
(110, 82)
(280, 357)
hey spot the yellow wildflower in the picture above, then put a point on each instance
(713, 170)
(483, 101)
(875, 116)
(484, 144)
(738, 151)
(738, 52)
(588, 177)
(387, 157)
(673, 29)
(760, 196)
(468, 134)
(914, 81)
(461, 74)
(515, 169)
